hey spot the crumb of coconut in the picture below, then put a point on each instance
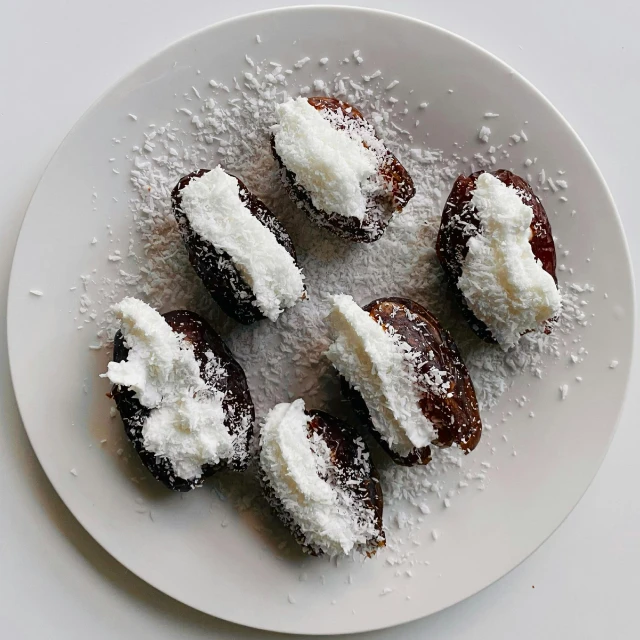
(484, 133)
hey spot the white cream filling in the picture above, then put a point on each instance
(331, 164)
(213, 207)
(294, 464)
(502, 281)
(379, 366)
(186, 423)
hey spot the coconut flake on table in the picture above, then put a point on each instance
(380, 366)
(502, 281)
(215, 211)
(186, 422)
(297, 468)
(325, 152)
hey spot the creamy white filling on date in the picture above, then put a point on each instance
(296, 466)
(380, 366)
(502, 281)
(186, 422)
(215, 211)
(327, 156)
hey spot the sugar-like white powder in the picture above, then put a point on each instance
(186, 423)
(331, 164)
(502, 281)
(294, 463)
(380, 366)
(215, 211)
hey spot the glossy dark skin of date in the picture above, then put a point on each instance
(234, 387)
(379, 211)
(460, 222)
(456, 418)
(215, 268)
(340, 438)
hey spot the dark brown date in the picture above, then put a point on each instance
(360, 478)
(237, 403)
(460, 222)
(379, 211)
(215, 268)
(455, 415)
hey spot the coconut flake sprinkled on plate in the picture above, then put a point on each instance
(484, 133)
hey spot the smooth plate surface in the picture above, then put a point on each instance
(228, 570)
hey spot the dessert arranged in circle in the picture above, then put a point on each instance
(404, 376)
(243, 255)
(496, 248)
(336, 169)
(183, 398)
(318, 477)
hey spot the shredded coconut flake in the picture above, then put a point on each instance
(302, 62)
(484, 134)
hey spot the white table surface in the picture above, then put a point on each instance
(56, 58)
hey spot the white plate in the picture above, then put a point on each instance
(199, 549)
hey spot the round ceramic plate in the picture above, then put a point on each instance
(200, 548)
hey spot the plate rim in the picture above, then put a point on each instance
(12, 286)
